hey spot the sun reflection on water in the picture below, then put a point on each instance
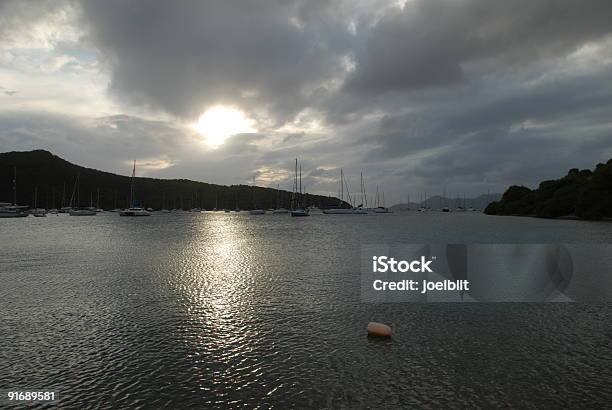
(220, 261)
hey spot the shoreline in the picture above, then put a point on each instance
(560, 218)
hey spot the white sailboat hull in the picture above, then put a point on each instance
(338, 211)
(300, 212)
(135, 212)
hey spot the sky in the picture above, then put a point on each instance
(455, 96)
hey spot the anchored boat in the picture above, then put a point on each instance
(134, 210)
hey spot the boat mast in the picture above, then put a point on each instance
(254, 202)
(78, 190)
(15, 186)
(300, 196)
(361, 187)
(295, 185)
(341, 188)
(132, 186)
(377, 197)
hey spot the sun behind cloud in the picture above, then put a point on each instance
(220, 122)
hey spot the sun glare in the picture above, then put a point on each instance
(220, 122)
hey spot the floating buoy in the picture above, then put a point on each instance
(379, 329)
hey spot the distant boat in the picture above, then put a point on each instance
(279, 209)
(298, 206)
(300, 212)
(382, 210)
(13, 211)
(36, 211)
(75, 199)
(380, 205)
(83, 211)
(255, 210)
(134, 210)
(446, 209)
(164, 210)
(98, 209)
(340, 210)
(362, 209)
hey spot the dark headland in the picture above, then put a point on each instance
(581, 194)
(55, 179)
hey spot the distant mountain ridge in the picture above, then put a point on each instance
(438, 202)
(55, 179)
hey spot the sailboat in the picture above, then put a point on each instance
(445, 208)
(279, 209)
(194, 203)
(98, 209)
(380, 207)
(255, 210)
(13, 211)
(78, 210)
(298, 207)
(340, 210)
(134, 210)
(163, 208)
(360, 208)
(237, 209)
(37, 212)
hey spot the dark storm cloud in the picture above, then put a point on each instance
(182, 56)
(430, 43)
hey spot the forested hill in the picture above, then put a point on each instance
(55, 179)
(583, 194)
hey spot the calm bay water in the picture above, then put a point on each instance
(215, 310)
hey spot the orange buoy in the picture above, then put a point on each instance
(379, 329)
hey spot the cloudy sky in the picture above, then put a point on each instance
(421, 95)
